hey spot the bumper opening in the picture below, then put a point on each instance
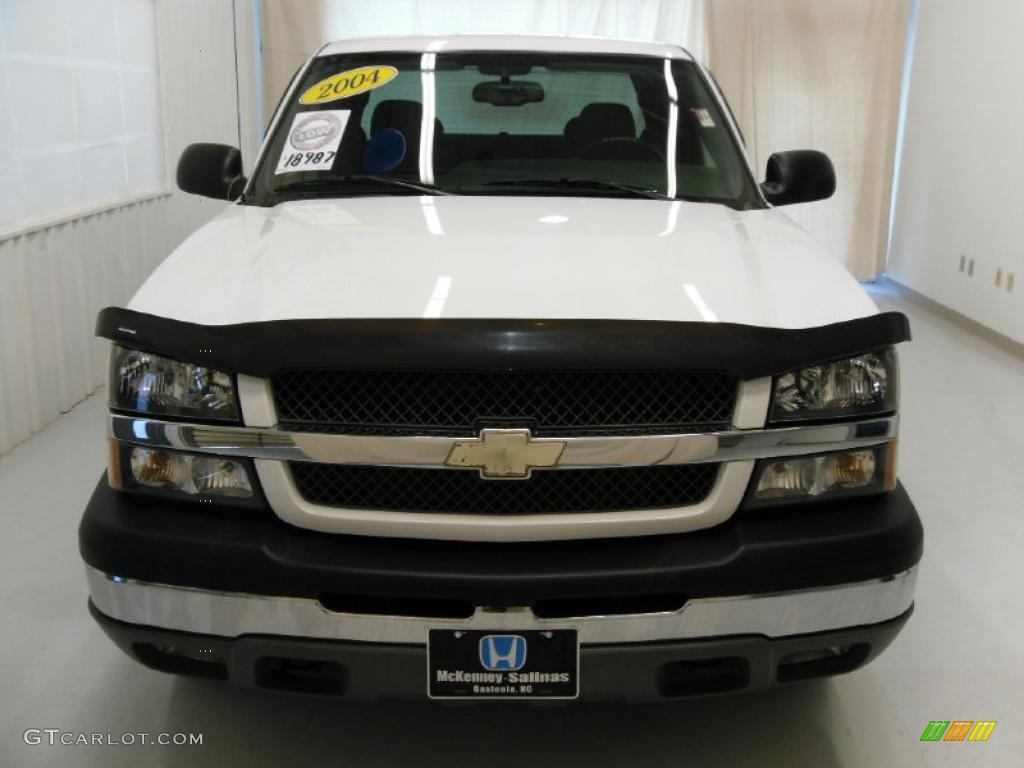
(325, 678)
(701, 676)
(392, 605)
(617, 605)
(180, 661)
(832, 660)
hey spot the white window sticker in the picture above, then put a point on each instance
(313, 141)
(704, 117)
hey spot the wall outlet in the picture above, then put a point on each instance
(1009, 282)
(970, 268)
(963, 262)
(999, 277)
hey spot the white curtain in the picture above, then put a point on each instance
(821, 75)
(295, 29)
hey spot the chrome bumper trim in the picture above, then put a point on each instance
(231, 614)
(580, 452)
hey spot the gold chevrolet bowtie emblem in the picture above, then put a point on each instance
(505, 453)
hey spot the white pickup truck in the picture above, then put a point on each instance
(502, 378)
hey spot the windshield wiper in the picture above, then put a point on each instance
(334, 182)
(581, 182)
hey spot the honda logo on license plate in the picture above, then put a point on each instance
(503, 652)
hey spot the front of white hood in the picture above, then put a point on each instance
(502, 257)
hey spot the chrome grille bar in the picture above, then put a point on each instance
(580, 452)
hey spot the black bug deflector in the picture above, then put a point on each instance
(264, 348)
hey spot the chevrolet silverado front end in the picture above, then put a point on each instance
(502, 379)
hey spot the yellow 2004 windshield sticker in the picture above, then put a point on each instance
(350, 83)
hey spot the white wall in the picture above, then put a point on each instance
(962, 168)
(55, 278)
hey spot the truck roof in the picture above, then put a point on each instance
(545, 43)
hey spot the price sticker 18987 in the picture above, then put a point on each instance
(299, 161)
(313, 141)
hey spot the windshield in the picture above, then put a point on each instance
(502, 124)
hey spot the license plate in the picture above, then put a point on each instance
(503, 664)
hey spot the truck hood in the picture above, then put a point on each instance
(502, 257)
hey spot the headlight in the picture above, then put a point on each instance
(826, 476)
(866, 384)
(182, 475)
(147, 383)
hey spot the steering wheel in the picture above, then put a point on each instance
(621, 148)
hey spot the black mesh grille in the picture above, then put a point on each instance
(464, 491)
(558, 403)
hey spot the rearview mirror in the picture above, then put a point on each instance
(801, 176)
(211, 170)
(508, 93)
(510, 66)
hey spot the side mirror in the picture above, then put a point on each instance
(801, 176)
(211, 170)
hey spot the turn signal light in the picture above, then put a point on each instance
(829, 475)
(178, 474)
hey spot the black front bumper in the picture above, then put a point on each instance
(203, 546)
(146, 539)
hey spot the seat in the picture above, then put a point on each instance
(597, 122)
(350, 151)
(689, 149)
(406, 116)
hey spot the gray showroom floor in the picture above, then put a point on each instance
(960, 657)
